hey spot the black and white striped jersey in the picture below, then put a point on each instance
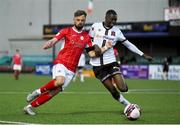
(100, 35)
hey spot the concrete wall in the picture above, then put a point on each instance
(128, 10)
(21, 19)
(25, 18)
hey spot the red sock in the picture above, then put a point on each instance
(45, 97)
(16, 74)
(49, 86)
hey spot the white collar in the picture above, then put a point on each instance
(77, 30)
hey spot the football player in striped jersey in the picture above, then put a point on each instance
(105, 67)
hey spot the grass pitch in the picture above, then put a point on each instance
(89, 102)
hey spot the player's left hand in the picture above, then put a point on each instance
(149, 58)
(97, 50)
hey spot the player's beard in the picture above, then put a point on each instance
(79, 28)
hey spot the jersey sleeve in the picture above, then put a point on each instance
(61, 34)
(89, 42)
(120, 37)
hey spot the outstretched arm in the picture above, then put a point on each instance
(50, 43)
(134, 49)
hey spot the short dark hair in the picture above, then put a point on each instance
(109, 12)
(80, 13)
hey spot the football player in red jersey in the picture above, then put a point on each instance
(76, 40)
(17, 64)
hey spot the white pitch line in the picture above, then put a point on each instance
(12, 122)
(132, 91)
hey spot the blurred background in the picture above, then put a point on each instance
(152, 25)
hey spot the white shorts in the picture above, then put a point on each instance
(17, 67)
(61, 70)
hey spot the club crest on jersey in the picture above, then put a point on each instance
(113, 33)
(81, 38)
(99, 30)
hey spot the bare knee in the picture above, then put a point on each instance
(59, 81)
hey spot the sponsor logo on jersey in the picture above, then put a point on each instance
(99, 36)
(108, 37)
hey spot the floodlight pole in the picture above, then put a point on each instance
(50, 22)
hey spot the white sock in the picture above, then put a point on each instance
(164, 76)
(29, 106)
(38, 91)
(74, 79)
(123, 101)
(82, 77)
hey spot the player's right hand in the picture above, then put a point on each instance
(48, 44)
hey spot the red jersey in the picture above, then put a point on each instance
(17, 59)
(74, 44)
(115, 51)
